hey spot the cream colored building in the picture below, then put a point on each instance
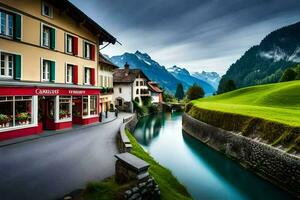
(105, 81)
(49, 57)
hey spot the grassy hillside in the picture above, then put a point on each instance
(270, 111)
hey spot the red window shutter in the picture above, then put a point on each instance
(75, 74)
(93, 52)
(92, 76)
(75, 46)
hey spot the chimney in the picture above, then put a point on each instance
(126, 68)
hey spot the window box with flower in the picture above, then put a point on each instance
(4, 121)
(23, 118)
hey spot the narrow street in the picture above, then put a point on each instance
(48, 168)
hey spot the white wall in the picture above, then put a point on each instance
(155, 97)
(125, 94)
(139, 87)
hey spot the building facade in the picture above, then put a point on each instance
(129, 85)
(48, 69)
(156, 92)
(105, 82)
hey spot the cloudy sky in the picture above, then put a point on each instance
(196, 34)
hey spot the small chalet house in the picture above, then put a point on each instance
(48, 67)
(105, 82)
(156, 92)
(129, 85)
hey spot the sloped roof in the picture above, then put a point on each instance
(127, 76)
(154, 87)
(81, 17)
(104, 60)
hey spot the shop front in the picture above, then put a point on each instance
(30, 110)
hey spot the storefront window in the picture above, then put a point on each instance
(23, 110)
(15, 111)
(85, 105)
(6, 112)
(93, 105)
(65, 104)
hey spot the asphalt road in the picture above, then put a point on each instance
(50, 167)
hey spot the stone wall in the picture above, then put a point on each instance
(146, 190)
(277, 166)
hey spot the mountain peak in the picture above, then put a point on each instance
(178, 70)
(140, 54)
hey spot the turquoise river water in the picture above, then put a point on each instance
(206, 173)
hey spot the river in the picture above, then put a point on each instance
(206, 173)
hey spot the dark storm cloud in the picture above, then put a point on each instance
(191, 32)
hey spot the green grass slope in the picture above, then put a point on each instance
(270, 111)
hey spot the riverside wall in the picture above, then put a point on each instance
(279, 167)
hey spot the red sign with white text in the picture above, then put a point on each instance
(44, 91)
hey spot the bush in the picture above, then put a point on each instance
(152, 109)
(139, 110)
(288, 75)
(195, 92)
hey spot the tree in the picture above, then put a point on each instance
(195, 92)
(228, 86)
(179, 92)
(288, 75)
(298, 72)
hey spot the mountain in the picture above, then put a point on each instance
(184, 76)
(157, 72)
(151, 68)
(265, 63)
(211, 77)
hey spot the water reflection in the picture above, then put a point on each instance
(206, 173)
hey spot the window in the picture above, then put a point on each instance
(85, 105)
(69, 73)
(15, 111)
(6, 24)
(69, 44)
(87, 75)
(47, 10)
(120, 90)
(101, 81)
(93, 105)
(141, 83)
(65, 104)
(23, 110)
(46, 70)
(137, 83)
(137, 91)
(87, 50)
(46, 36)
(6, 65)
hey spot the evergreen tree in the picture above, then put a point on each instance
(195, 92)
(179, 92)
(288, 75)
(298, 72)
(228, 86)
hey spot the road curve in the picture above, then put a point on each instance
(49, 167)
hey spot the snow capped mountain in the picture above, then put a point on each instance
(168, 79)
(211, 77)
(184, 76)
(151, 68)
(178, 70)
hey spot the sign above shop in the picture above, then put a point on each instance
(47, 91)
